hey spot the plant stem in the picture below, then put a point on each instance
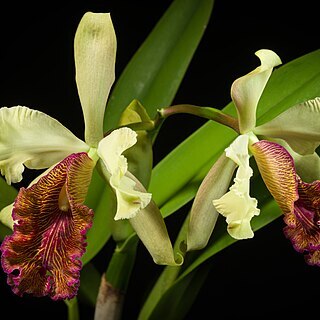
(204, 112)
(73, 310)
(115, 281)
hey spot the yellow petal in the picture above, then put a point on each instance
(115, 169)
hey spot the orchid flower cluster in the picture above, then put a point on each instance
(50, 219)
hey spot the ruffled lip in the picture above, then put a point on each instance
(303, 223)
(43, 255)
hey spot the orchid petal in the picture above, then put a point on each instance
(32, 138)
(110, 149)
(303, 222)
(276, 167)
(42, 256)
(299, 126)
(129, 200)
(247, 90)
(237, 205)
(95, 53)
(6, 216)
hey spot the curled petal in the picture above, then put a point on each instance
(129, 200)
(237, 205)
(95, 53)
(32, 138)
(110, 149)
(303, 222)
(299, 126)
(42, 256)
(246, 91)
(277, 170)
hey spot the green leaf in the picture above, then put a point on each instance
(290, 84)
(166, 278)
(102, 201)
(176, 302)
(7, 193)
(89, 284)
(155, 72)
(153, 77)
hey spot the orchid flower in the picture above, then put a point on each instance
(49, 218)
(278, 146)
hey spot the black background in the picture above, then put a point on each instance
(252, 278)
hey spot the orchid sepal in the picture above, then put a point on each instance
(95, 53)
(203, 215)
(247, 90)
(152, 231)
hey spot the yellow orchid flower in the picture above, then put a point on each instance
(292, 136)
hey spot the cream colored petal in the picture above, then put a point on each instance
(238, 208)
(111, 147)
(6, 216)
(32, 138)
(299, 126)
(238, 152)
(95, 53)
(237, 205)
(247, 90)
(129, 200)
